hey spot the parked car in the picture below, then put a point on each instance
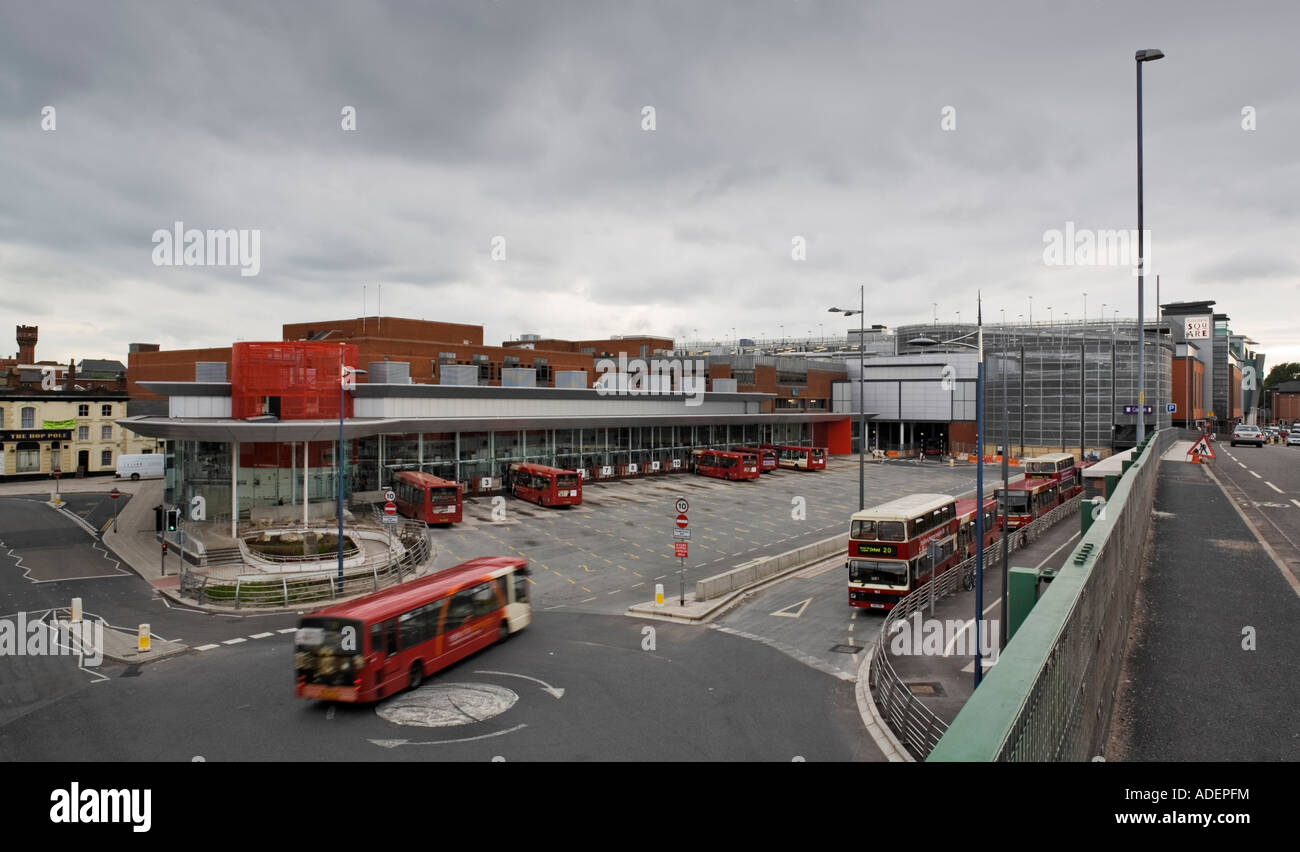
(1244, 434)
(1293, 438)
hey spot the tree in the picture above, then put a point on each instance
(1280, 373)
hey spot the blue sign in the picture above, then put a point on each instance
(1171, 407)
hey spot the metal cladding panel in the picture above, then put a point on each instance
(458, 374)
(882, 397)
(210, 371)
(724, 386)
(198, 406)
(389, 372)
(519, 377)
(570, 379)
(302, 377)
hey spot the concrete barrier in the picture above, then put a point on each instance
(758, 570)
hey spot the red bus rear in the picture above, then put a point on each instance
(889, 548)
(766, 455)
(382, 643)
(427, 498)
(1026, 501)
(722, 464)
(966, 525)
(545, 486)
(801, 458)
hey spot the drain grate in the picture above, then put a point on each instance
(845, 649)
(923, 688)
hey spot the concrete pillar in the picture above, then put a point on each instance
(305, 465)
(419, 449)
(293, 470)
(379, 474)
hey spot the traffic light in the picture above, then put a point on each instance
(173, 519)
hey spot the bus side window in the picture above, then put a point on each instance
(377, 644)
(460, 610)
(521, 589)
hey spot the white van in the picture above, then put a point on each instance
(141, 466)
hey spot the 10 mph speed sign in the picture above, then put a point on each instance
(681, 505)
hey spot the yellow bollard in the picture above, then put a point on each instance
(659, 594)
(142, 639)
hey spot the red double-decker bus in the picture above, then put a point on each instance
(1059, 467)
(545, 486)
(1026, 501)
(766, 456)
(427, 498)
(966, 525)
(801, 458)
(889, 547)
(383, 643)
(723, 464)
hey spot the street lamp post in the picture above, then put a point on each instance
(1141, 56)
(979, 481)
(347, 381)
(862, 403)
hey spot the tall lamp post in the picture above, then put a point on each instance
(1140, 57)
(862, 403)
(347, 381)
(979, 480)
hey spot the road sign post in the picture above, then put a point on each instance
(680, 536)
(114, 495)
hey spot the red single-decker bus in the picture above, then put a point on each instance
(722, 464)
(382, 643)
(801, 458)
(545, 486)
(427, 498)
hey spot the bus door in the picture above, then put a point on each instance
(384, 645)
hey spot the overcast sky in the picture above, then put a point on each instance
(525, 120)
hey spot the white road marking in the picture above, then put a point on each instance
(287, 630)
(1240, 464)
(1274, 487)
(587, 600)
(260, 635)
(206, 647)
(1297, 502)
(1256, 475)
(234, 641)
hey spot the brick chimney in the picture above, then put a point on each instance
(27, 344)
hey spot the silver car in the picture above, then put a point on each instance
(1244, 434)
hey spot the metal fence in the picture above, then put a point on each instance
(915, 724)
(1051, 695)
(303, 584)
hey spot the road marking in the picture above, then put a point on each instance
(1256, 475)
(1274, 487)
(1239, 464)
(260, 635)
(287, 630)
(785, 612)
(585, 589)
(660, 577)
(634, 585)
(206, 647)
(587, 600)
(1297, 502)
(1049, 556)
(234, 641)
(616, 591)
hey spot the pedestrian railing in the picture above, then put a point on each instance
(1051, 695)
(917, 726)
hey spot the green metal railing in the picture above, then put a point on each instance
(1051, 694)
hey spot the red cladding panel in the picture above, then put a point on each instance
(297, 379)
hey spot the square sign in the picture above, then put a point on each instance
(1197, 328)
(682, 535)
(679, 549)
(1171, 407)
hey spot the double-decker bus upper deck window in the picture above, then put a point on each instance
(863, 529)
(891, 531)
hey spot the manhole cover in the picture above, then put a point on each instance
(443, 705)
(845, 649)
(925, 689)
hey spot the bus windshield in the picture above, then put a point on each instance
(880, 572)
(566, 481)
(442, 496)
(1013, 502)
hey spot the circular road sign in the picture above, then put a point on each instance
(115, 494)
(681, 505)
(390, 495)
(390, 509)
(681, 522)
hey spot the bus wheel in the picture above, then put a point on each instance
(417, 674)
(504, 633)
